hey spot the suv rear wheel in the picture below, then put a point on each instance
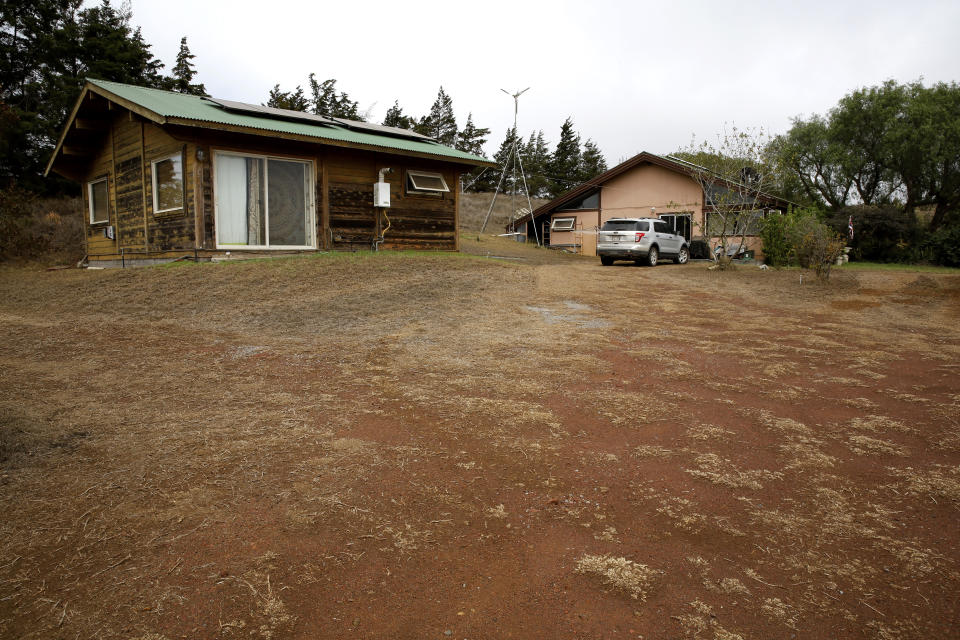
(653, 256)
(683, 256)
(606, 261)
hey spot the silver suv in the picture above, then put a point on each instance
(643, 240)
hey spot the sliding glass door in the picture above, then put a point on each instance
(263, 202)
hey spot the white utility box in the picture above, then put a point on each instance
(381, 194)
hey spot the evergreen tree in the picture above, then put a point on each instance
(536, 157)
(507, 162)
(47, 48)
(564, 166)
(440, 124)
(592, 162)
(472, 138)
(395, 118)
(294, 100)
(183, 73)
(327, 102)
(111, 50)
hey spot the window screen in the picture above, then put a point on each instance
(99, 201)
(263, 202)
(423, 181)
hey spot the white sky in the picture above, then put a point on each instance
(634, 76)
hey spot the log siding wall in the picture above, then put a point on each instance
(343, 178)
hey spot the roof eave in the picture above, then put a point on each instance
(89, 88)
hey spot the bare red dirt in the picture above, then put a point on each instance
(444, 446)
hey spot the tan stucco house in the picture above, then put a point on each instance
(645, 186)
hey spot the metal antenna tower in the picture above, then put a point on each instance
(514, 155)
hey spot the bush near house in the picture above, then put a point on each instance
(799, 237)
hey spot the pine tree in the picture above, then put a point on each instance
(592, 162)
(111, 50)
(440, 124)
(395, 118)
(183, 73)
(564, 166)
(327, 102)
(47, 48)
(294, 100)
(536, 157)
(472, 138)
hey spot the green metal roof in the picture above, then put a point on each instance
(168, 104)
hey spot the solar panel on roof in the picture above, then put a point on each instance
(383, 130)
(284, 114)
(301, 116)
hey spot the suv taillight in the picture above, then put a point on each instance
(639, 236)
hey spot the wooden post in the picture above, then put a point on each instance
(324, 205)
(143, 191)
(456, 211)
(112, 193)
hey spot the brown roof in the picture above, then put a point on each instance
(673, 164)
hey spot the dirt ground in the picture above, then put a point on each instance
(456, 446)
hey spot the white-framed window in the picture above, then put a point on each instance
(263, 202)
(426, 182)
(563, 224)
(99, 201)
(167, 184)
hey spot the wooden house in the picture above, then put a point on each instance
(165, 175)
(645, 186)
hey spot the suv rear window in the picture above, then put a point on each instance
(625, 225)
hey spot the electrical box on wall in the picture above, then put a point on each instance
(381, 194)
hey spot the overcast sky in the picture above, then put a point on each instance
(634, 76)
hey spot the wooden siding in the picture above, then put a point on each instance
(128, 173)
(345, 216)
(416, 221)
(101, 167)
(170, 230)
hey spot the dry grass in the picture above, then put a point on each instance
(636, 580)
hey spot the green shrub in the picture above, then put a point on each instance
(942, 247)
(813, 244)
(776, 247)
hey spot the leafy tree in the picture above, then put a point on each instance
(860, 129)
(733, 177)
(564, 167)
(183, 73)
(294, 100)
(440, 124)
(395, 118)
(809, 152)
(325, 101)
(888, 144)
(925, 151)
(592, 162)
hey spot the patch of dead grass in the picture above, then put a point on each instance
(621, 574)
(721, 471)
